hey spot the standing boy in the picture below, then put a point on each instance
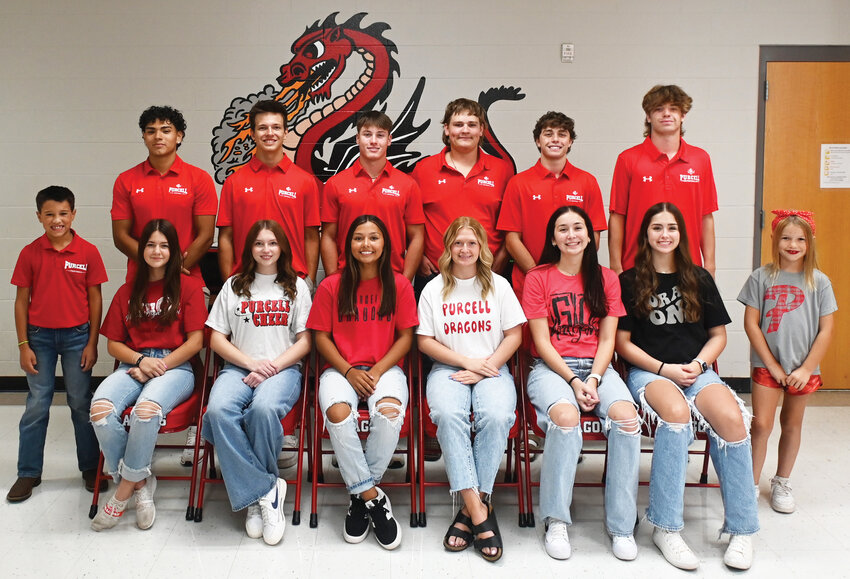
(270, 186)
(662, 168)
(164, 187)
(373, 186)
(533, 195)
(57, 313)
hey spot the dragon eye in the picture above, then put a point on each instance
(315, 50)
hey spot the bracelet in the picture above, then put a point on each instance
(139, 361)
(598, 378)
(23, 342)
(659, 368)
(570, 381)
(350, 368)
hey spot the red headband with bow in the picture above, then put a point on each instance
(781, 214)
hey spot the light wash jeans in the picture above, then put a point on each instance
(49, 344)
(128, 454)
(362, 470)
(563, 446)
(244, 425)
(471, 464)
(733, 461)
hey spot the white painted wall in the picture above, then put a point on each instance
(74, 77)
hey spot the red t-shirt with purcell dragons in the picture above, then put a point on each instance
(185, 191)
(394, 197)
(364, 338)
(644, 176)
(149, 333)
(59, 281)
(447, 195)
(559, 298)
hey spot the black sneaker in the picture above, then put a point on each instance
(387, 529)
(356, 521)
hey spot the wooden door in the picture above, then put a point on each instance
(808, 104)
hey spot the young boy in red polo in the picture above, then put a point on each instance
(372, 185)
(57, 314)
(533, 195)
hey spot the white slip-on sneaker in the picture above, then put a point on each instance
(674, 549)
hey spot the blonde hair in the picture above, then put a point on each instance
(810, 260)
(483, 274)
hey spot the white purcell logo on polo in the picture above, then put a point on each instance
(690, 177)
(80, 267)
(391, 191)
(574, 196)
(178, 190)
(486, 182)
(288, 193)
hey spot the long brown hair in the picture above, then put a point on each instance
(347, 299)
(286, 276)
(646, 280)
(170, 283)
(483, 271)
(591, 274)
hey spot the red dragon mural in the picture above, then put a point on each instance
(320, 138)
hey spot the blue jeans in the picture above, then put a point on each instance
(563, 446)
(244, 425)
(128, 454)
(362, 470)
(48, 344)
(472, 465)
(732, 460)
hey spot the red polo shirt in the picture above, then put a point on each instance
(58, 281)
(447, 195)
(533, 195)
(644, 176)
(285, 193)
(394, 197)
(149, 333)
(185, 191)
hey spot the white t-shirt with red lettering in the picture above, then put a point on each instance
(266, 324)
(464, 322)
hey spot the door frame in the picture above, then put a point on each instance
(780, 53)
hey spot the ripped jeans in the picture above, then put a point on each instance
(732, 460)
(128, 455)
(563, 446)
(362, 470)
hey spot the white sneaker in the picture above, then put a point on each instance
(145, 509)
(109, 515)
(781, 499)
(557, 541)
(674, 549)
(254, 521)
(188, 456)
(739, 553)
(287, 459)
(625, 548)
(271, 509)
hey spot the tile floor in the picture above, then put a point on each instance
(49, 535)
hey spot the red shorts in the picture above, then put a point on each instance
(762, 377)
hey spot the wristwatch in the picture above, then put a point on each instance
(703, 366)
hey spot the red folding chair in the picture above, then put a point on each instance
(591, 430)
(183, 416)
(295, 418)
(363, 420)
(513, 466)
